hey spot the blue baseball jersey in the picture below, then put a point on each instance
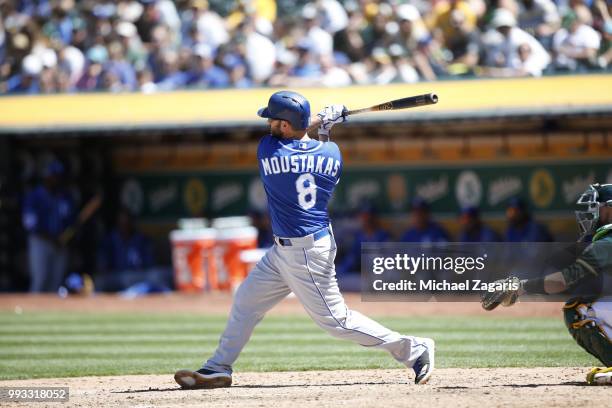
(299, 178)
(44, 212)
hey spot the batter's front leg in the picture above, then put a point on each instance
(310, 274)
(261, 290)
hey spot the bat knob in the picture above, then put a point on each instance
(433, 98)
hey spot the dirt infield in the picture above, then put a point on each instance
(500, 387)
(219, 303)
(490, 387)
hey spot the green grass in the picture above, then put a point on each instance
(38, 345)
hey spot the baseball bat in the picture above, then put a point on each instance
(90, 208)
(402, 103)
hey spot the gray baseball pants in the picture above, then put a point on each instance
(305, 268)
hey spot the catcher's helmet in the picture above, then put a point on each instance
(289, 106)
(589, 202)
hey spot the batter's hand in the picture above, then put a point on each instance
(329, 116)
(507, 295)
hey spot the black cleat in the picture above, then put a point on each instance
(202, 378)
(424, 366)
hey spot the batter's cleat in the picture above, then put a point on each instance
(202, 378)
(424, 365)
(600, 376)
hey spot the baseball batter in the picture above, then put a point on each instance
(588, 318)
(299, 175)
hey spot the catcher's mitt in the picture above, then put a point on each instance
(506, 295)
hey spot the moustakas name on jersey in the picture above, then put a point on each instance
(299, 177)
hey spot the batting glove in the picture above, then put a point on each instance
(330, 116)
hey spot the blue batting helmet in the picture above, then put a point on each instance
(289, 106)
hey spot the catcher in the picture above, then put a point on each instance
(588, 318)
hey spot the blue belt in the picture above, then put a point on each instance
(315, 237)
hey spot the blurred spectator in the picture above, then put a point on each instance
(384, 71)
(331, 74)
(502, 45)
(148, 19)
(576, 44)
(320, 41)
(209, 24)
(405, 70)
(145, 81)
(125, 256)
(91, 79)
(473, 229)
(71, 62)
(238, 76)
(333, 16)
(204, 72)
(413, 34)
(28, 80)
(307, 65)
(4, 67)
(264, 12)
(605, 59)
(60, 46)
(521, 226)
(350, 41)
(442, 16)
(369, 231)
(422, 228)
(392, 66)
(171, 76)
(463, 46)
(111, 82)
(169, 17)
(47, 211)
(259, 52)
(120, 68)
(59, 24)
(540, 18)
(135, 52)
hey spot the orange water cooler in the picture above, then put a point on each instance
(193, 259)
(230, 243)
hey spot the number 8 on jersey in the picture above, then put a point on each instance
(299, 177)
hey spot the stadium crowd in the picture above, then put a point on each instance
(49, 46)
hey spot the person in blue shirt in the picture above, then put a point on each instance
(48, 210)
(120, 67)
(422, 227)
(473, 229)
(171, 75)
(299, 175)
(369, 231)
(23, 84)
(521, 226)
(125, 256)
(27, 81)
(306, 66)
(59, 25)
(239, 77)
(204, 72)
